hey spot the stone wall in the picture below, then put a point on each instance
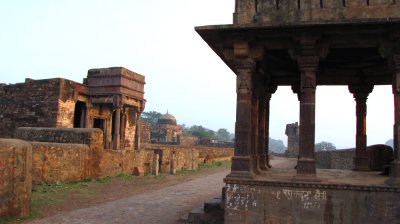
(115, 162)
(188, 140)
(288, 202)
(92, 137)
(59, 162)
(15, 177)
(378, 156)
(188, 157)
(213, 154)
(145, 133)
(30, 104)
(336, 159)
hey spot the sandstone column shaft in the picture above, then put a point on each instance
(262, 131)
(137, 131)
(395, 165)
(241, 161)
(255, 153)
(360, 93)
(306, 162)
(117, 122)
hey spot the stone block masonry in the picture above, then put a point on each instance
(15, 177)
(35, 103)
(54, 162)
(278, 202)
(188, 157)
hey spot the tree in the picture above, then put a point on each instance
(223, 135)
(151, 116)
(200, 132)
(324, 146)
(276, 145)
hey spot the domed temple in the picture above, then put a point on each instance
(303, 44)
(166, 130)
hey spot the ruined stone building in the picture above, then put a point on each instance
(292, 131)
(304, 44)
(166, 130)
(109, 98)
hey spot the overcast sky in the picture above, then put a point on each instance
(64, 38)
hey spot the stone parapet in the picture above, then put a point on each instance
(88, 136)
(290, 202)
(280, 12)
(15, 178)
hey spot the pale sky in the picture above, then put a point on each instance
(64, 38)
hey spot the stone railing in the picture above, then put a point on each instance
(315, 11)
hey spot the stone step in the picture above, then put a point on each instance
(196, 216)
(212, 205)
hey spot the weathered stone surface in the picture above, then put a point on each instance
(155, 169)
(292, 131)
(33, 103)
(59, 162)
(272, 202)
(314, 11)
(15, 178)
(138, 171)
(188, 157)
(108, 98)
(378, 156)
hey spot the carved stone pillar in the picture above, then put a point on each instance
(265, 98)
(117, 122)
(242, 161)
(255, 151)
(306, 163)
(395, 165)
(123, 128)
(138, 127)
(360, 94)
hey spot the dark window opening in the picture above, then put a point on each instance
(80, 115)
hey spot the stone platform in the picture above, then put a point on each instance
(339, 196)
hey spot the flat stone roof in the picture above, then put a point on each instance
(115, 71)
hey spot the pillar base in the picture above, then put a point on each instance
(394, 179)
(263, 162)
(306, 166)
(241, 167)
(268, 161)
(361, 164)
(256, 165)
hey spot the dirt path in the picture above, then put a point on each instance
(167, 203)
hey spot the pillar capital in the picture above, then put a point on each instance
(307, 63)
(117, 101)
(360, 90)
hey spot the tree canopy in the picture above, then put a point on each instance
(324, 146)
(151, 116)
(276, 145)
